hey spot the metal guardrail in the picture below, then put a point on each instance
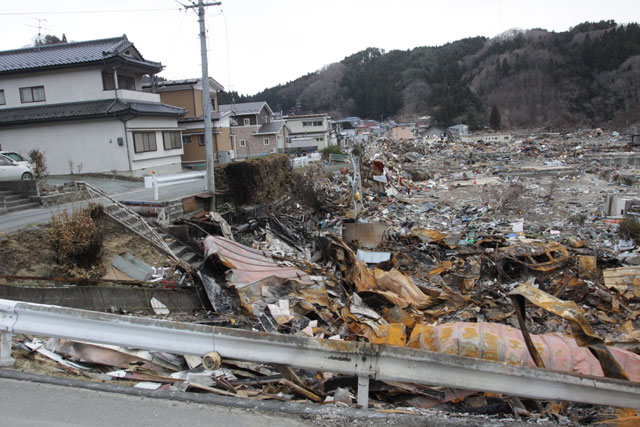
(365, 360)
(156, 181)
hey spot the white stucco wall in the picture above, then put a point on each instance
(92, 146)
(68, 85)
(161, 160)
(295, 124)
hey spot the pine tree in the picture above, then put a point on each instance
(494, 119)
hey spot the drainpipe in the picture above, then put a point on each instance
(126, 142)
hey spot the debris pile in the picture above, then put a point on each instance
(509, 251)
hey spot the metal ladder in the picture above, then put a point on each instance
(130, 220)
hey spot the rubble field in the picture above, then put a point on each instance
(523, 251)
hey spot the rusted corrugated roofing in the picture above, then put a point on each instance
(248, 265)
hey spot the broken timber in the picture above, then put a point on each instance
(365, 360)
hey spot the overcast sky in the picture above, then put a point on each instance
(255, 44)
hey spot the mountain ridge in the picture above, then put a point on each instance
(586, 76)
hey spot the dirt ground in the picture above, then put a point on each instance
(28, 252)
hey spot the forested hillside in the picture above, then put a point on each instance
(589, 75)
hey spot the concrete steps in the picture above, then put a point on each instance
(12, 202)
(181, 251)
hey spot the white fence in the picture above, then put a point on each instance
(364, 360)
(155, 181)
(299, 162)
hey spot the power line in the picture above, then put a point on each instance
(87, 12)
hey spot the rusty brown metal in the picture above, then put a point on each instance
(556, 255)
(518, 304)
(246, 264)
(582, 331)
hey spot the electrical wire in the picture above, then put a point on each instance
(87, 12)
(226, 35)
(177, 33)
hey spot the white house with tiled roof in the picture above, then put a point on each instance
(82, 105)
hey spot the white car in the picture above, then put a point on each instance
(18, 158)
(11, 170)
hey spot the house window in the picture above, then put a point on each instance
(266, 119)
(201, 141)
(266, 141)
(2, 98)
(305, 124)
(144, 141)
(32, 94)
(172, 140)
(186, 139)
(124, 82)
(213, 104)
(243, 143)
(317, 123)
(247, 122)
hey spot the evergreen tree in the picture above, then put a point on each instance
(494, 119)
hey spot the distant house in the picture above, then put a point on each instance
(187, 93)
(82, 105)
(459, 130)
(253, 132)
(441, 133)
(402, 132)
(308, 132)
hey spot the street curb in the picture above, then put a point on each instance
(298, 409)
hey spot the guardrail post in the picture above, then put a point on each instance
(5, 349)
(156, 196)
(363, 392)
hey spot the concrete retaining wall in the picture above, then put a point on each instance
(28, 188)
(101, 298)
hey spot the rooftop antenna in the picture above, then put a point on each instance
(41, 23)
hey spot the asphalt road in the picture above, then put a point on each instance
(18, 220)
(24, 403)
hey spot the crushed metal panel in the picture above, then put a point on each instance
(132, 269)
(555, 255)
(367, 235)
(248, 265)
(373, 257)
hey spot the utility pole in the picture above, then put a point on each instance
(206, 100)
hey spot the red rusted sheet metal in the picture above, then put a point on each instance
(247, 264)
(501, 343)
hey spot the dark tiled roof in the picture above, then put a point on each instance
(245, 108)
(270, 128)
(84, 110)
(215, 115)
(168, 83)
(69, 54)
